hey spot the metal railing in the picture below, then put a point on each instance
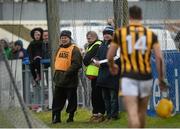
(41, 95)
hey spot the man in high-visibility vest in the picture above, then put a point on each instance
(68, 61)
(92, 73)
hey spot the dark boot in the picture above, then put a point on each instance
(56, 117)
(70, 119)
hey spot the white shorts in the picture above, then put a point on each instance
(132, 87)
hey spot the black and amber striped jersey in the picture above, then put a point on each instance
(135, 42)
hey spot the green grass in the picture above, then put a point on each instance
(4, 122)
(82, 117)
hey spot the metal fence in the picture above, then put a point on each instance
(13, 112)
(40, 96)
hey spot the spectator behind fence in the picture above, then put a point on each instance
(92, 73)
(35, 54)
(46, 45)
(5, 44)
(105, 80)
(68, 61)
(18, 52)
(110, 22)
(46, 54)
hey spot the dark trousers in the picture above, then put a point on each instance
(60, 97)
(97, 99)
(35, 67)
(110, 97)
(46, 66)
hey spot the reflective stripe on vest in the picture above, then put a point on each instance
(92, 70)
(97, 42)
(63, 58)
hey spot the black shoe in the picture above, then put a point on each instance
(69, 120)
(115, 117)
(56, 118)
(56, 121)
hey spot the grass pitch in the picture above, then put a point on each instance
(82, 116)
(4, 123)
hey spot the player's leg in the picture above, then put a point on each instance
(131, 105)
(130, 99)
(145, 91)
(143, 102)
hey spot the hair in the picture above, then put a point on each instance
(37, 29)
(19, 43)
(45, 31)
(92, 33)
(135, 12)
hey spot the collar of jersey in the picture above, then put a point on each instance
(135, 23)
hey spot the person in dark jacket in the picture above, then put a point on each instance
(105, 80)
(35, 53)
(96, 93)
(46, 54)
(46, 45)
(68, 61)
(18, 52)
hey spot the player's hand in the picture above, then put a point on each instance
(114, 69)
(163, 85)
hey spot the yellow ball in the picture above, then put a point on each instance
(164, 108)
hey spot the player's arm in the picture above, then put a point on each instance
(159, 62)
(113, 48)
(113, 68)
(111, 53)
(159, 65)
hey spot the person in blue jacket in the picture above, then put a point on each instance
(105, 80)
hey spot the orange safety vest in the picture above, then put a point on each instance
(63, 58)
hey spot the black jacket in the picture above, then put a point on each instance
(105, 78)
(45, 50)
(34, 49)
(90, 54)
